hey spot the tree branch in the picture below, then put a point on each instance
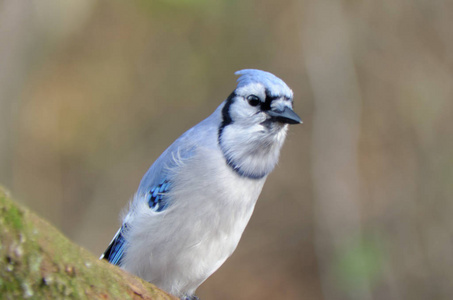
(37, 261)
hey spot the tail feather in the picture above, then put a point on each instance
(115, 250)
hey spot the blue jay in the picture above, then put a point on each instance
(194, 202)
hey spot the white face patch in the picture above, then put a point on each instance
(256, 89)
(243, 114)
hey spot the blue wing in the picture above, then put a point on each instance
(162, 169)
(156, 196)
(155, 183)
(156, 201)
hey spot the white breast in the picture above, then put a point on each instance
(180, 253)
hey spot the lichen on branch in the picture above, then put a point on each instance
(39, 262)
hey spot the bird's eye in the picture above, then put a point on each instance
(253, 100)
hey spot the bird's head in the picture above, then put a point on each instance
(255, 118)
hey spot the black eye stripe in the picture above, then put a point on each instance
(266, 105)
(267, 102)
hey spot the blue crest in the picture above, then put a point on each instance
(274, 85)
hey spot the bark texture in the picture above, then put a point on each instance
(39, 262)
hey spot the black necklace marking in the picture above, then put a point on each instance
(226, 120)
(241, 173)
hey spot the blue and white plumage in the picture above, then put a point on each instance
(195, 201)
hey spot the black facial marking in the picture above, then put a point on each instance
(226, 118)
(266, 105)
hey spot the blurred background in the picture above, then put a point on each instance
(92, 92)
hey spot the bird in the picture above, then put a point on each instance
(194, 202)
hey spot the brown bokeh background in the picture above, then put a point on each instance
(360, 206)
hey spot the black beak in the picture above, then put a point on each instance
(287, 115)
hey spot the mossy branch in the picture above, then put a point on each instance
(38, 262)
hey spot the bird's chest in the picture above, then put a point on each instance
(220, 203)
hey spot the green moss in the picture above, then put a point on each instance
(13, 218)
(38, 262)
